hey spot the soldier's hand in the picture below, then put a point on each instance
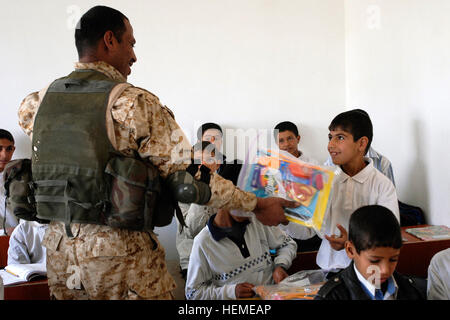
(270, 211)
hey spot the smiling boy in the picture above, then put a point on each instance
(357, 183)
(373, 245)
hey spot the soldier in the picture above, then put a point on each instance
(72, 140)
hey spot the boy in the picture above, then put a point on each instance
(195, 216)
(357, 183)
(379, 161)
(232, 254)
(25, 243)
(213, 133)
(7, 219)
(374, 246)
(287, 138)
(438, 284)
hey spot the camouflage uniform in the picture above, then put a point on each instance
(105, 263)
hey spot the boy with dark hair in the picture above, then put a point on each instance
(373, 244)
(287, 138)
(379, 161)
(357, 183)
(213, 133)
(7, 148)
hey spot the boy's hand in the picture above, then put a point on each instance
(244, 290)
(270, 211)
(279, 274)
(338, 243)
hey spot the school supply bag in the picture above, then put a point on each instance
(270, 173)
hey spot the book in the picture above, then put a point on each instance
(430, 232)
(19, 273)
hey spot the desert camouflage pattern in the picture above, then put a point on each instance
(140, 123)
(102, 263)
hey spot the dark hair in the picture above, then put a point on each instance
(357, 122)
(5, 134)
(206, 126)
(94, 24)
(364, 112)
(285, 126)
(374, 226)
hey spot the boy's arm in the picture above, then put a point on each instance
(285, 246)
(199, 281)
(18, 250)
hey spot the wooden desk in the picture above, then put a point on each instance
(4, 245)
(415, 255)
(33, 290)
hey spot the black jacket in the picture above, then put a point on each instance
(346, 286)
(230, 170)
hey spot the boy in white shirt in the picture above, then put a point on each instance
(357, 183)
(25, 243)
(438, 285)
(288, 138)
(232, 254)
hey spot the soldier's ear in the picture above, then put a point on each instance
(109, 40)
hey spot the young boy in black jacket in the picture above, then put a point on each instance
(374, 246)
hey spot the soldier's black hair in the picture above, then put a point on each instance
(285, 126)
(374, 226)
(94, 24)
(356, 122)
(5, 134)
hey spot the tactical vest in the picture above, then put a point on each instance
(70, 149)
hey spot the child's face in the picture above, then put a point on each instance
(342, 147)
(287, 141)
(214, 136)
(207, 159)
(6, 152)
(376, 265)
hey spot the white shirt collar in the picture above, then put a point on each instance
(360, 177)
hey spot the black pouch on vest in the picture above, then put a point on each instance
(19, 190)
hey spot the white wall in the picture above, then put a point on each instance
(244, 64)
(398, 69)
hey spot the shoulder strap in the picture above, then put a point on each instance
(113, 96)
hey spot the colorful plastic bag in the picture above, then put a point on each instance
(303, 285)
(271, 173)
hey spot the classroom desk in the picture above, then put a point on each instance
(33, 290)
(415, 255)
(4, 245)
